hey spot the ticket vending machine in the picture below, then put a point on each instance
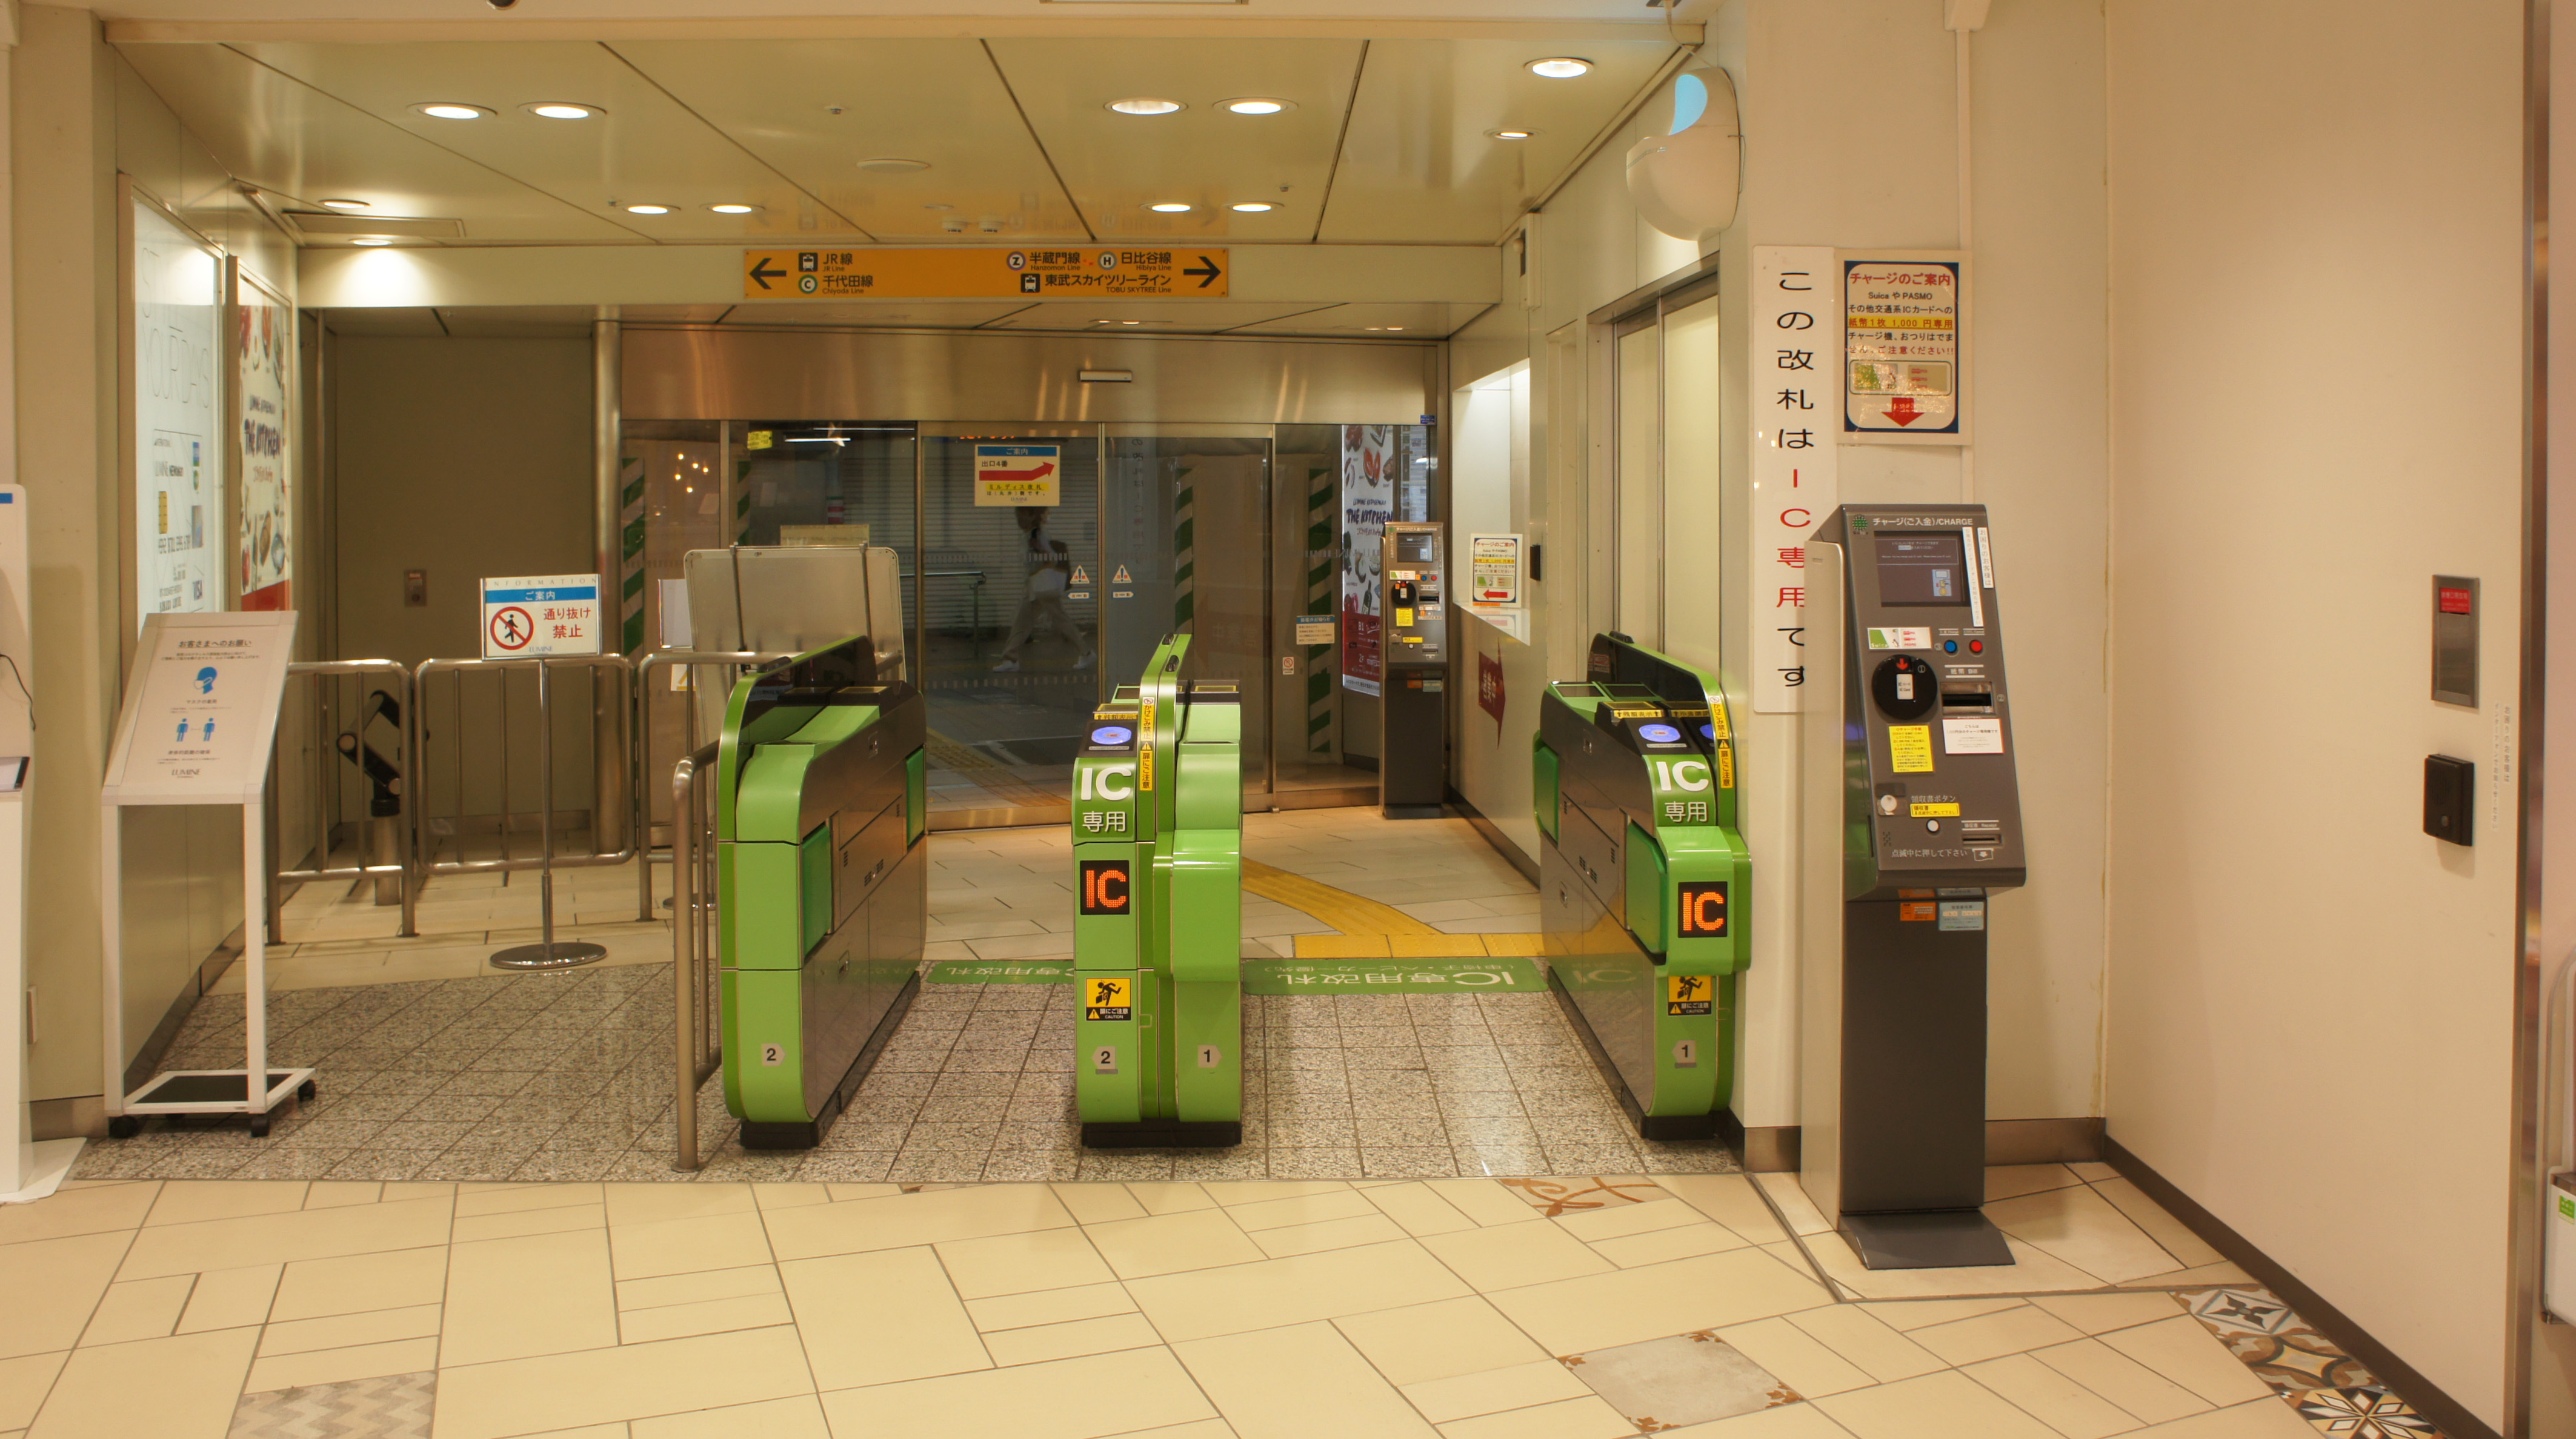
(1911, 800)
(1643, 877)
(1158, 913)
(1413, 653)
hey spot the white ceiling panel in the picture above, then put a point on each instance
(1412, 322)
(1153, 317)
(938, 101)
(905, 314)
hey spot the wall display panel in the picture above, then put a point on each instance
(178, 469)
(264, 441)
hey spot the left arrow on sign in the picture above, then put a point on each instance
(1206, 268)
(761, 274)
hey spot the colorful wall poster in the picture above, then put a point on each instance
(1368, 502)
(264, 443)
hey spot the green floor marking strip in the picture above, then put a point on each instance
(999, 971)
(1391, 976)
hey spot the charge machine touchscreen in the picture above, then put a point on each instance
(1413, 772)
(1911, 797)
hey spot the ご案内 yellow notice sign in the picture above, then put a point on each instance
(1072, 272)
(1909, 748)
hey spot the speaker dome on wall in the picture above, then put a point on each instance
(1685, 181)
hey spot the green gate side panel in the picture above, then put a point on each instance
(814, 889)
(769, 799)
(1699, 854)
(764, 1017)
(1207, 905)
(759, 906)
(1543, 785)
(1208, 1017)
(916, 795)
(1650, 886)
(1210, 785)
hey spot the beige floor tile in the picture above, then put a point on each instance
(1907, 1315)
(1098, 1203)
(1656, 1246)
(1298, 1382)
(1040, 1343)
(1797, 1358)
(2122, 1380)
(797, 1418)
(139, 1309)
(632, 1381)
(1484, 1201)
(1540, 1381)
(2080, 1227)
(521, 1222)
(1947, 1405)
(2183, 1351)
(880, 1317)
(187, 1201)
(1801, 1212)
(1867, 1341)
(2101, 1313)
(303, 1336)
(23, 1383)
(791, 1196)
(110, 1208)
(1571, 1316)
(901, 1220)
(2052, 1398)
(2262, 1419)
(2093, 1171)
(1172, 1243)
(338, 1366)
(2223, 1273)
(707, 1316)
(1730, 1199)
(661, 1203)
(312, 1288)
(54, 1287)
(1086, 1398)
(514, 1298)
(1050, 1306)
(1294, 1291)
(1790, 1421)
(1512, 1255)
(331, 1194)
(231, 1298)
(1018, 1263)
(177, 1388)
(519, 1198)
(1234, 1193)
(840, 1192)
(421, 1189)
(1585, 1418)
(700, 1287)
(2167, 1231)
(1620, 1220)
(1417, 1208)
(686, 1246)
(285, 1238)
(1370, 1228)
(2013, 1331)
(2033, 1271)
(1171, 1198)
(2007, 1181)
(1201, 1429)
(1301, 1209)
(1425, 1343)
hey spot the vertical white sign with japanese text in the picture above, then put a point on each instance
(178, 476)
(1797, 364)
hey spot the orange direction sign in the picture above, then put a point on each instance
(1067, 273)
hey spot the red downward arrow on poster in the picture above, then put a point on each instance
(1901, 410)
(1040, 473)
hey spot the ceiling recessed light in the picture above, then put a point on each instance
(1254, 207)
(1253, 106)
(735, 209)
(1511, 134)
(887, 164)
(648, 209)
(1381, 327)
(1170, 207)
(450, 110)
(1144, 105)
(561, 110)
(348, 205)
(939, 205)
(1559, 67)
(372, 241)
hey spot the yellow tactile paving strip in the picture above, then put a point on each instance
(1371, 930)
(994, 779)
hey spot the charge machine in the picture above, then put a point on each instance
(1643, 880)
(1413, 658)
(1911, 798)
(822, 877)
(1158, 924)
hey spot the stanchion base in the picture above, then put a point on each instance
(562, 954)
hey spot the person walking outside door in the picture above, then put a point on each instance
(1042, 609)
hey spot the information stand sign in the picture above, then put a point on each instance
(198, 725)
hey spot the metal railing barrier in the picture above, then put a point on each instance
(641, 726)
(699, 1047)
(389, 799)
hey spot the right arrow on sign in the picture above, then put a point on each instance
(1207, 271)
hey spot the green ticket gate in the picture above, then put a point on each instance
(822, 886)
(1158, 927)
(1643, 880)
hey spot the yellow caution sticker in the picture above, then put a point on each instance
(1909, 748)
(1925, 810)
(1725, 765)
(1915, 911)
(1688, 993)
(1145, 766)
(1107, 997)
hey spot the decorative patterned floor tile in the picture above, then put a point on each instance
(396, 1406)
(2333, 1391)
(1553, 1197)
(2366, 1412)
(1687, 1379)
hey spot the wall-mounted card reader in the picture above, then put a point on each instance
(2450, 789)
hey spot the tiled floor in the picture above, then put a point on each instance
(1468, 1308)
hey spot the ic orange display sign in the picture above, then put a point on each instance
(1068, 272)
(1704, 910)
(1106, 887)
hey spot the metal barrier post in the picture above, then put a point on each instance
(547, 952)
(407, 692)
(643, 729)
(688, 952)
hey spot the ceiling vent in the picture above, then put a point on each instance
(331, 222)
